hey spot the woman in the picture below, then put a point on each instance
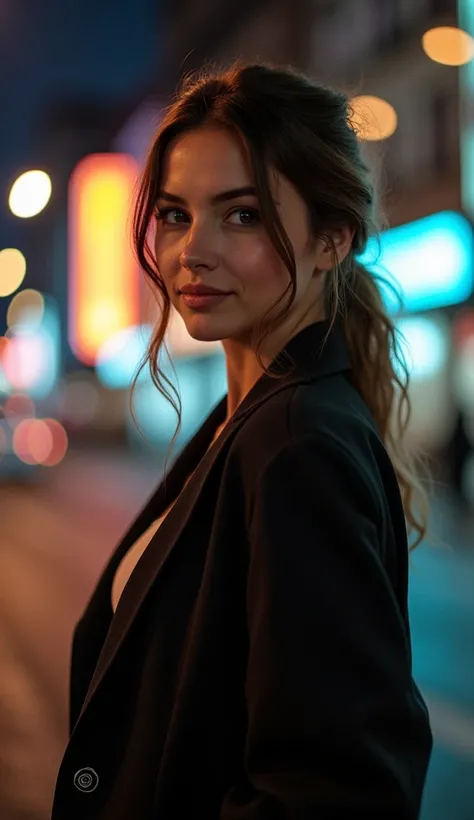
(258, 662)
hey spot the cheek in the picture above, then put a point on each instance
(166, 259)
(262, 267)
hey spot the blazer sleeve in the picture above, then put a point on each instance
(336, 726)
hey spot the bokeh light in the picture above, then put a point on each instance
(29, 438)
(30, 194)
(26, 310)
(424, 346)
(26, 360)
(4, 342)
(12, 270)
(40, 441)
(448, 45)
(373, 118)
(59, 444)
(118, 358)
(430, 262)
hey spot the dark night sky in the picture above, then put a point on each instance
(51, 48)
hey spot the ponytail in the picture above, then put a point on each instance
(381, 377)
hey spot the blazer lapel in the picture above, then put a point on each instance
(162, 543)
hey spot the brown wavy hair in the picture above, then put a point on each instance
(307, 133)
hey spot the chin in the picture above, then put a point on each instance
(208, 328)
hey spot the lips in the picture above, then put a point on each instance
(202, 290)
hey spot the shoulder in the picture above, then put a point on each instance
(325, 427)
(329, 410)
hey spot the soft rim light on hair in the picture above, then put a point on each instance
(372, 118)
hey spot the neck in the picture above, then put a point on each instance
(243, 369)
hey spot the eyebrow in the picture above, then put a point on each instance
(224, 196)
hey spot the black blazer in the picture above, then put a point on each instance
(258, 666)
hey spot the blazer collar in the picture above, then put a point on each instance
(314, 352)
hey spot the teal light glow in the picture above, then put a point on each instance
(156, 416)
(430, 262)
(425, 346)
(120, 356)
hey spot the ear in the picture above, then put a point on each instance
(342, 238)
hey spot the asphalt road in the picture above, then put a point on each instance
(54, 540)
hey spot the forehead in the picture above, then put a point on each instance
(204, 162)
(209, 156)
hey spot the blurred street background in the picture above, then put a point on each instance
(82, 89)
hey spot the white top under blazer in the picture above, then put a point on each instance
(132, 557)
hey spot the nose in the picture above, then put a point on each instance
(199, 251)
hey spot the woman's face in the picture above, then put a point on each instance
(209, 234)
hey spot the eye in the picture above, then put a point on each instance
(245, 216)
(170, 216)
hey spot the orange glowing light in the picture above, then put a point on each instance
(4, 342)
(448, 45)
(103, 273)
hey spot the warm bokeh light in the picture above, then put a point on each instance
(448, 45)
(18, 407)
(103, 273)
(30, 194)
(26, 310)
(25, 434)
(59, 443)
(373, 118)
(12, 270)
(40, 441)
(4, 342)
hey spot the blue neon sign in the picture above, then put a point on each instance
(430, 262)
